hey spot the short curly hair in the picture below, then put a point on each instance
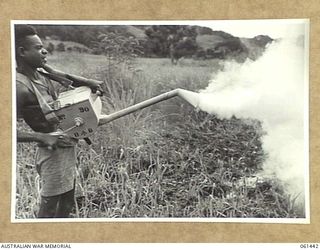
(21, 31)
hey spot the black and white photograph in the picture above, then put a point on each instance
(191, 121)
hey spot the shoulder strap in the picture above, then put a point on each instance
(62, 80)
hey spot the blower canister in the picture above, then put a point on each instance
(78, 111)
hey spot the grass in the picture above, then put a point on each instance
(167, 160)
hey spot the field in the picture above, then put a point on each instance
(168, 160)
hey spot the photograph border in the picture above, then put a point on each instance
(207, 23)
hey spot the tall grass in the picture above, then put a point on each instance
(167, 160)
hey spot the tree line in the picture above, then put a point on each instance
(172, 41)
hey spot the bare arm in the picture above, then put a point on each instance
(23, 136)
(77, 80)
(23, 99)
(46, 139)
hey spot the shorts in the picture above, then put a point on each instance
(56, 168)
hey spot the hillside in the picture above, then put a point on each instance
(136, 32)
(208, 41)
(251, 47)
(67, 45)
(157, 40)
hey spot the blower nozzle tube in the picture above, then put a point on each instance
(189, 96)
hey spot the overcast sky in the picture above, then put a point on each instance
(275, 28)
(250, 28)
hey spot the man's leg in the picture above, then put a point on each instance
(48, 206)
(65, 204)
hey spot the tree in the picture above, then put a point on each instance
(61, 47)
(50, 48)
(163, 38)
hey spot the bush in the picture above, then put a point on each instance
(50, 48)
(61, 47)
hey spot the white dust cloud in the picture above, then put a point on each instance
(272, 90)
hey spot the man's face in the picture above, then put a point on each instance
(33, 53)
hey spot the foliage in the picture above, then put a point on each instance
(117, 46)
(162, 36)
(50, 48)
(61, 47)
(173, 41)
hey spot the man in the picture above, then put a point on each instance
(55, 157)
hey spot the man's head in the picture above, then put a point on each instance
(29, 47)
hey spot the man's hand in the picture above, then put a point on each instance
(95, 86)
(49, 140)
(58, 139)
